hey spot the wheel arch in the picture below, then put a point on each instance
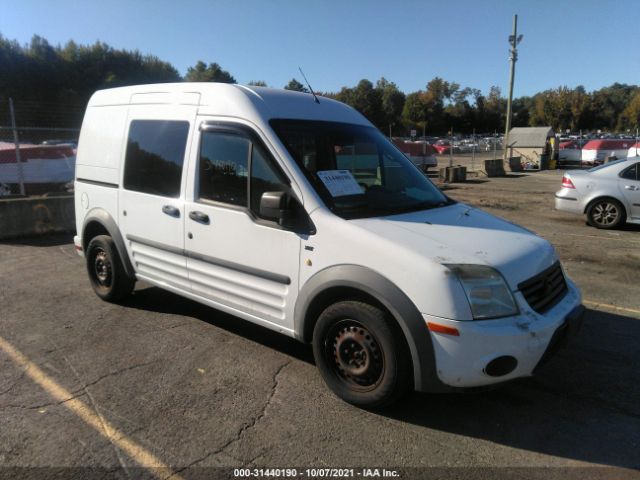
(605, 197)
(355, 282)
(99, 222)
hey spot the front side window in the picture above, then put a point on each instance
(224, 168)
(264, 178)
(236, 170)
(154, 158)
(356, 171)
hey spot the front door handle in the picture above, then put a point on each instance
(630, 187)
(199, 217)
(171, 211)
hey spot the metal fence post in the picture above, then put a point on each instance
(473, 151)
(17, 144)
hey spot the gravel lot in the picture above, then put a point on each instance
(199, 389)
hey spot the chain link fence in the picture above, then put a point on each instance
(36, 160)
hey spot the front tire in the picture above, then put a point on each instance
(106, 272)
(606, 213)
(361, 354)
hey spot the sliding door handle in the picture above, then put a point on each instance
(199, 217)
(171, 211)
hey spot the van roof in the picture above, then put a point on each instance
(231, 100)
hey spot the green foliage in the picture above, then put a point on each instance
(257, 83)
(201, 72)
(51, 85)
(631, 115)
(296, 86)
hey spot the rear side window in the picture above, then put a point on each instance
(155, 154)
(631, 173)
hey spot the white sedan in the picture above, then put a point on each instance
(608, 194)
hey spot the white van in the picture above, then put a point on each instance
(298, 215)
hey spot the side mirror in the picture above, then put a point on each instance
(275, 206)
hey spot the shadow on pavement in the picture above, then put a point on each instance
(154, 299)
(49, 240)
(582, 405)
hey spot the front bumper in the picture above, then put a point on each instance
(529, 338)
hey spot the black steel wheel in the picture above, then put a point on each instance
(361, 354)
(106, 273)
(606, 213)
(356, 354)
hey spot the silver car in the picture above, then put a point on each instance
(608, 194)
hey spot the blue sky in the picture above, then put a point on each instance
(337, 43)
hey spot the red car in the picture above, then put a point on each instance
(442, 146)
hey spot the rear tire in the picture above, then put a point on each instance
(106, 272)
(606, 213)
(361, 354)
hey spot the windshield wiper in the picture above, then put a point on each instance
(415, 207)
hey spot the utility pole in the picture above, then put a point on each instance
(451, 148)
(514, 40)
(17, 144)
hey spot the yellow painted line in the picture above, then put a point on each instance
(139, 454)
(608, 306)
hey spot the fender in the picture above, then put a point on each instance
(395, 301)
(106, 220)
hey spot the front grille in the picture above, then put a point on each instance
(546, 289)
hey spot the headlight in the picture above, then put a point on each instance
(487, 292)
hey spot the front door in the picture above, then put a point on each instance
(630, 186)
(236, 259)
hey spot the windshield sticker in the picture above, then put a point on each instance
(340, 183)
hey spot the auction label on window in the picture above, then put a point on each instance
(340, 182)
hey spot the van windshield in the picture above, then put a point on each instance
(356, 170)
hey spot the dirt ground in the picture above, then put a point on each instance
(605, 264)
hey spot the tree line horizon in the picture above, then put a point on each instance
(50, 86)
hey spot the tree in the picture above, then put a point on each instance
(414, 110)
(258, 83)
(296, 86)
(367, 100)
(213, 72)
(495, 106)
(392, 102)
(631, 114)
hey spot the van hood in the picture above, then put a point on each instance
(462, 234)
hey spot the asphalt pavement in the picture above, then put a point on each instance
(162, 386)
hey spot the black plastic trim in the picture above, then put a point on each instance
(95, 182)
(567, 198)
(274, 277)
(154, 244)
(102, 217)
(404, 311)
